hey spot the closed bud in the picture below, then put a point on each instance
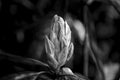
(58, 45)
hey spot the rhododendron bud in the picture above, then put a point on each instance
(58, 45)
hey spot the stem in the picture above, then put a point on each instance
(86, 64)
(98, 64)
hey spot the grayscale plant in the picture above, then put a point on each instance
(59, 49)
(58, 45)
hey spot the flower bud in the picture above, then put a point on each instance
(58, 45)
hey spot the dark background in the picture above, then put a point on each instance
(24, 24)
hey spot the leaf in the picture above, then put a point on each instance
(49, 46)
(50, 51)
(70, 53)
(67, 33)
(21, 60)
(23, 76)
(79, 27)
(52, 36)
(52, 62)
(62, 57)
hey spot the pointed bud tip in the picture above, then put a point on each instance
(56, 17)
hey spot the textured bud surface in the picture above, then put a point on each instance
(58, 43)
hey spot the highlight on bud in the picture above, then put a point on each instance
(58, 45)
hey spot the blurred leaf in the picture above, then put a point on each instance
(21, 60)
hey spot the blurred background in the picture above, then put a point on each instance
(24, 23)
